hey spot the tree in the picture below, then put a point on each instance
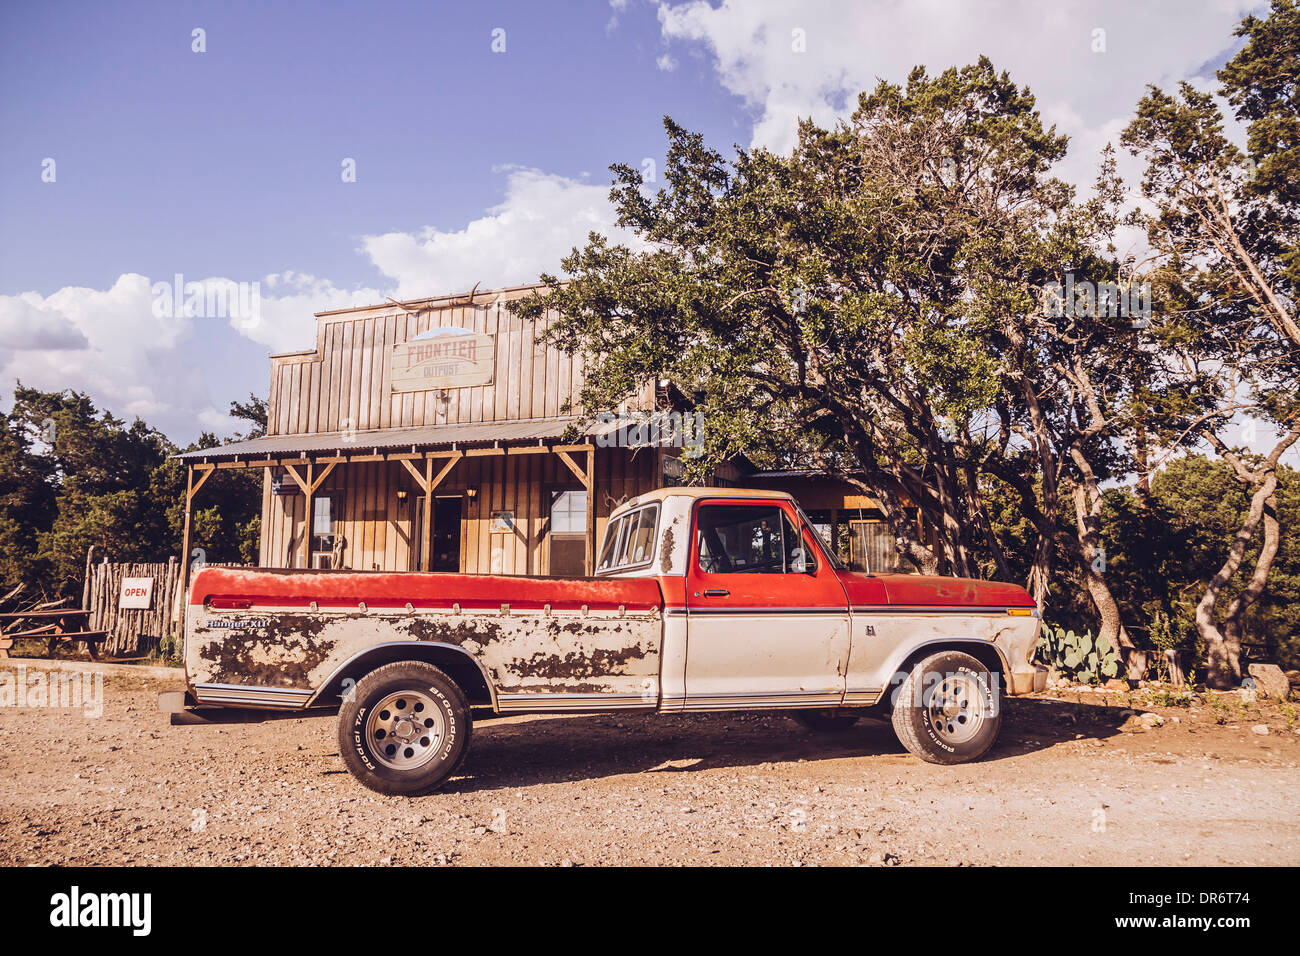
(254, 412)
(26, 502)
(1225, 232)
(871, 305)
(72, 477)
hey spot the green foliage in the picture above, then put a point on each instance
(73, 477)
(1164, 696)
(1078, 656)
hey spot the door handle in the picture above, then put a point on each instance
(716, 592)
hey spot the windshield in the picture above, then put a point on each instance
(827, 550)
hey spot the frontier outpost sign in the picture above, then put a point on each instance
(443, 358)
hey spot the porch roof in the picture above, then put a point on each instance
(390, 439)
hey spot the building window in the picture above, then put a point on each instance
(568, 534)
(323, 533)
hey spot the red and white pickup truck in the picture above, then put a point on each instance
(703, 599)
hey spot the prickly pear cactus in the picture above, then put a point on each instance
(1079, 657)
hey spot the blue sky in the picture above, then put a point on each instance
(471, 165)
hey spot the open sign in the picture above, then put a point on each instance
(136, 593)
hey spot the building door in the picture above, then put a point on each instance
(444, 535)
(767, 618)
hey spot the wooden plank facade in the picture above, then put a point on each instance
(369, 501)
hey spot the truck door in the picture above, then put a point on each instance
(767, 618)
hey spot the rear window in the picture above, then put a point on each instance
(629, 540)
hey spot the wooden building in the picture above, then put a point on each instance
(444, 435)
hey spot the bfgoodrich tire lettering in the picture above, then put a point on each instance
(948, 709)
(405, 728)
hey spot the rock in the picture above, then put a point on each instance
(1150, 719)
(1116, 684)
(1270, 681)
(1260, 729)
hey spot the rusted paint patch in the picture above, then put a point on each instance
(666, 550)
(598, 663)
(264, 651)
(557, 653)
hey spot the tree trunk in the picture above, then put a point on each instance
(1223, 650)
(1234, 623)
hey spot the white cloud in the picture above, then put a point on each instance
(122, 360)
(128, 353)
(542, 217)
(289, 303)
(27, 324)
(1049, 47)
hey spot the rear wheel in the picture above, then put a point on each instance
(404, 729)
(948, 709)
(827, 719)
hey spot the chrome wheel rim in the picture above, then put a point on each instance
(954, 708)
(405, 730)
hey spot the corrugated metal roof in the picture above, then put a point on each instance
(476, 433)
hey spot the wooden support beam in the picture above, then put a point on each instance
(308, 490)
(191, 489)
(591, 511)
(581, 473)
(297, 479)
(483, 452)
(436, 480)
(320, 479)
(207, 473)
(415, 473)
(426, 526)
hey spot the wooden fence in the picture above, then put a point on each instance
(132, 631)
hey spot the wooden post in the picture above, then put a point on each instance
(427, 483)
(426, 527)
(591, 511)
(191, 489)
(308, 493)
(185, 535)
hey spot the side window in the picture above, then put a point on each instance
(611, 545)
(749, 539)
(640, 537)
(629, 540)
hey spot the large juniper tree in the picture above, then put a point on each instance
(872, 304)
(1225, 228)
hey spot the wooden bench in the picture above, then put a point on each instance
(55, 624)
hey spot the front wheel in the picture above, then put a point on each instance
(404, 729)
(948, 709)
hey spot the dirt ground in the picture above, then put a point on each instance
(1075, 779)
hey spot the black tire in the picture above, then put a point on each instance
(827, 719)
(959, 733)
(416, 761)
